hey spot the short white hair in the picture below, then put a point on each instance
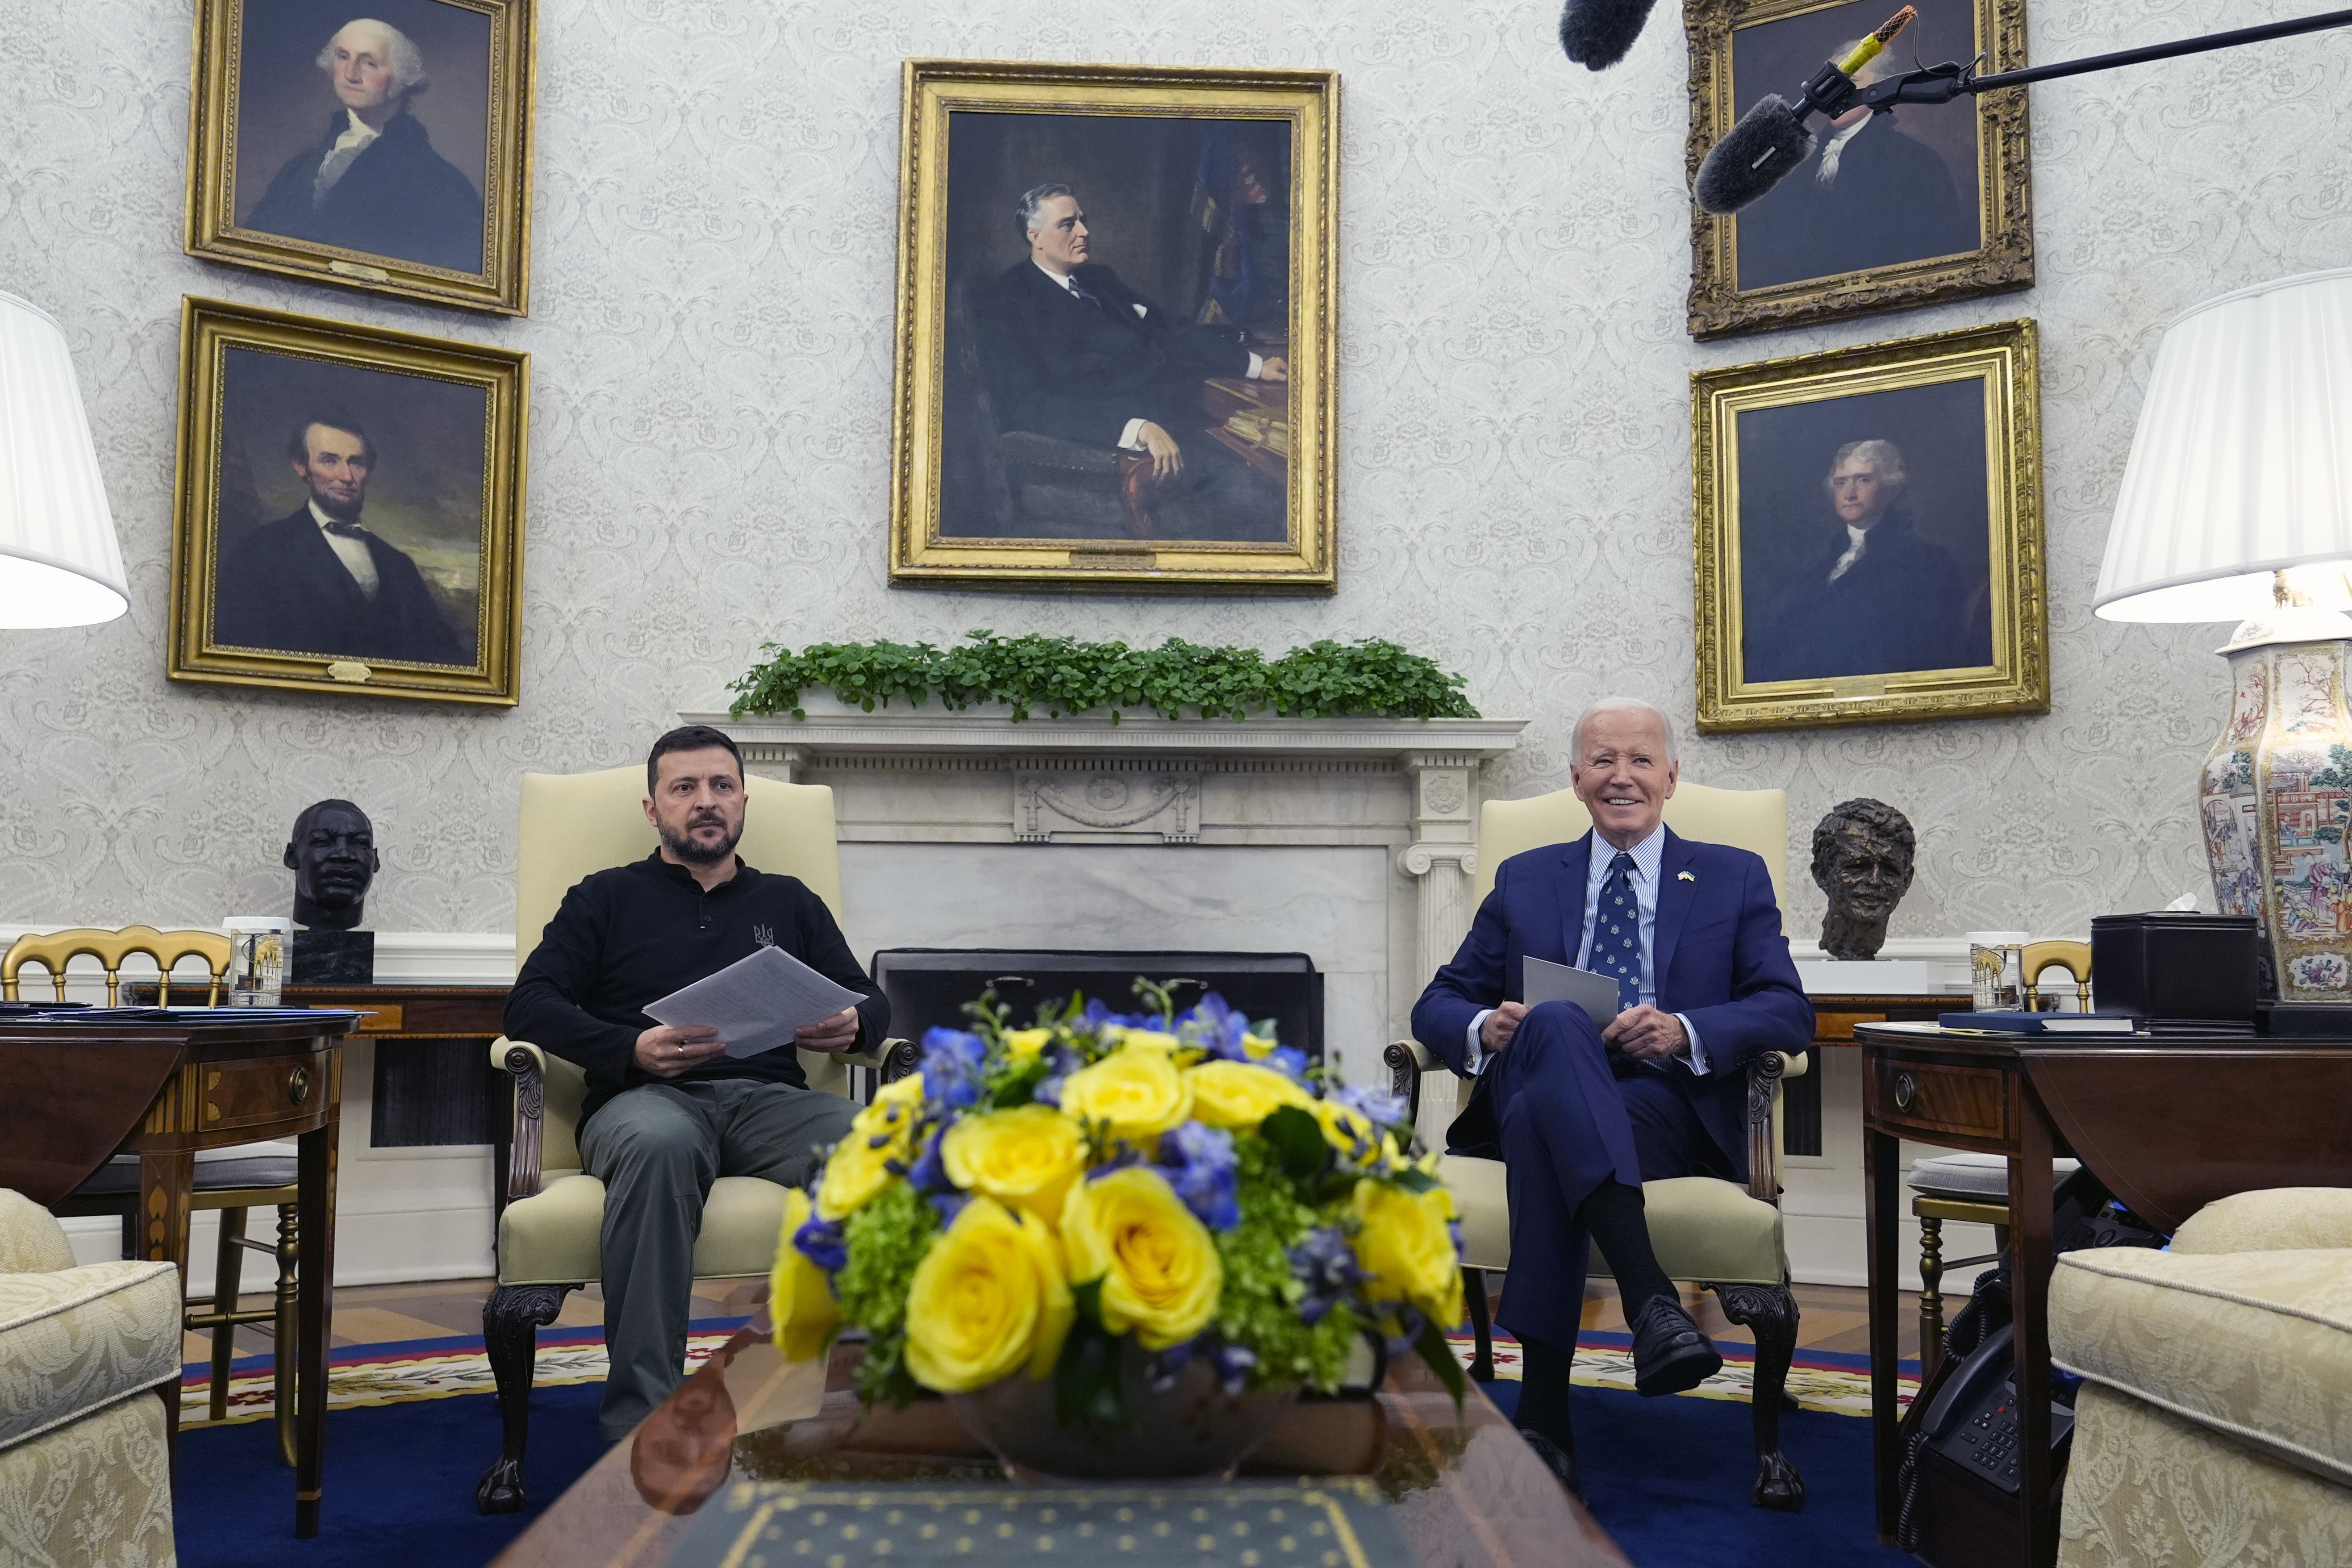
(1619, 705)
(1884, 459)
(407, 63)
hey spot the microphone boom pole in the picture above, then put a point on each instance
(1771, 140)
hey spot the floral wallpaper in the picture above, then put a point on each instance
(710, 334)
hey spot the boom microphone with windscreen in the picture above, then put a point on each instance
(1596, 33)
(1771, 139)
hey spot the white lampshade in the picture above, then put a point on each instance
(2242, 465)
(59, 564)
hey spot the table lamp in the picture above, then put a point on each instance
(59, 564)
(2237, 506)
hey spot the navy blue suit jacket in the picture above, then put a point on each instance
(1719, 959)
(1059, 366)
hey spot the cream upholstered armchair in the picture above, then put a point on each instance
(573, 824)
(1727, 1238)
(2214, 1423)
(85, 1465)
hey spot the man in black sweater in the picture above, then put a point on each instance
(667, 1110)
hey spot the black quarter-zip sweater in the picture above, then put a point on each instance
(635, 934)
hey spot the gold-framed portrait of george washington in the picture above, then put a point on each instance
(385, 148)
(350, 509)
(1923, 203)
(1116, 334)
(1868, 532)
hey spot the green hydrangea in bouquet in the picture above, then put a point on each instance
(1040, 1203)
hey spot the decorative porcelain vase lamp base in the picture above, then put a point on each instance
(2237, 505)
(2275, 797)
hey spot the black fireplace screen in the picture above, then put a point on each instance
(928, 987)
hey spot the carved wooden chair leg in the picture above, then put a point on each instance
(288, 1331)
(1931, 1295)
(511, 1319)
(1769, 1312)
(227, 1270)
(1473, 1295)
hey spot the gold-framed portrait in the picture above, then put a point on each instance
(350, 507)
(1116, 333)
(1924, 204)
(385, 148)
(1868, 532)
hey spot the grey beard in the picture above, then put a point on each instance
(694, 854)
(1848, 936)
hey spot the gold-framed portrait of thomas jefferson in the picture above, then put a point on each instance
(1923, 203)
(385, 147)
(1116, 334)
(1868, 532)
(350, 507)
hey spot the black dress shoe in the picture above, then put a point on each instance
(1669, 1352)
(1559, 1461)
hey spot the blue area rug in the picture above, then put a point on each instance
(1668, 1479)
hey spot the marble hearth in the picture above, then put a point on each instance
(1349, 840)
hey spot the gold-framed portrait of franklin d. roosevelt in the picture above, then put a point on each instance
(1115, 336)
(1924, 204)
(348, 508)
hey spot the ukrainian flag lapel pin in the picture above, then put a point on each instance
(1685, 877)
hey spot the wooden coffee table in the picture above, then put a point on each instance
(1463, 1488)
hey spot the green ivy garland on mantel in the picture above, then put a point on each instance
(1064, 677)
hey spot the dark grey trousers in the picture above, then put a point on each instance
(657, 1148)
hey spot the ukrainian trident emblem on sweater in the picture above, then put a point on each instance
(763, 936)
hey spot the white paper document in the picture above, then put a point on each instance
(1544, 980)
(755, 1003)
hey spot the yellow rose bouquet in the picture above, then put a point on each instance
(1058, 1202)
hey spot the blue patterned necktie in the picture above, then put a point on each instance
(1617, 932)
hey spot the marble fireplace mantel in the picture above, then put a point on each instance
(1321, 792)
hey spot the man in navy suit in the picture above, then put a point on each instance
(1583, 1115)
(321, 581)
(1070, 351)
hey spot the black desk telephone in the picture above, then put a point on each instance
(1974, 1418)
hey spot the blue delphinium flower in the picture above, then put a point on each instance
(1326, 1265)
(1375, 1106)
(1166, 1366)
(1235, 1363)
(952, 1063)
(927, 1174)
(1218, 1027)
(1198, 1163)
(1288, 1060)
(823, 1243)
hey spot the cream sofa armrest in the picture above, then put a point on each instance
(31, 1240)
(527, 1063)
(2277, 1219)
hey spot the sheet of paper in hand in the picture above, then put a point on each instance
(755, 1003)
(1544, 980)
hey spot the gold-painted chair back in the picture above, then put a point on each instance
(2073, 957)
(54, 949)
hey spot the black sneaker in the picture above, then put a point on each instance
(1669, 1352)
(1559, 1461)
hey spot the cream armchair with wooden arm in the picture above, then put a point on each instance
(552, 1213)
(1727, 1239)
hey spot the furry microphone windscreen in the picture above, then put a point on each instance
(1767, 142)
(1596, 33)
